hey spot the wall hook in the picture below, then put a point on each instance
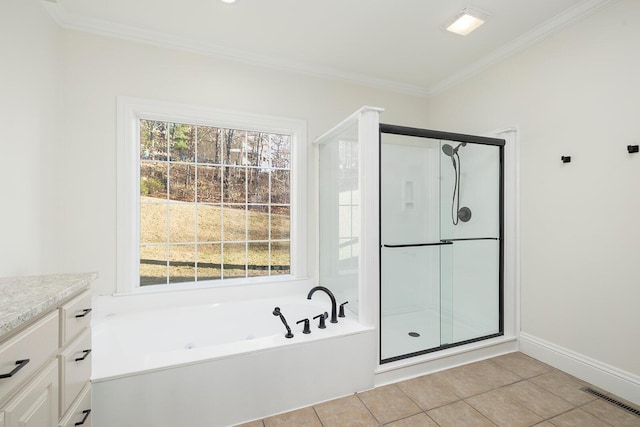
(632, 148)
(565, 159)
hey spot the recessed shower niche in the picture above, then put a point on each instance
(411, 232)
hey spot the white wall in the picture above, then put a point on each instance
(577, 94)
(95, 70)
(28, 112)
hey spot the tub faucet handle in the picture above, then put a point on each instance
(322, 317)
(307, 328)
(341, 313)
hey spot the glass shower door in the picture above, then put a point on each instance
(410, 245)
(470, 211)
(440, 238)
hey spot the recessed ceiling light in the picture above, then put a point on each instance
(467, 20)
(228, 1)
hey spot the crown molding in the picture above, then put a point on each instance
(109, 29)
(523, 42)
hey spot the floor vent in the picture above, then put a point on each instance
(619, 404)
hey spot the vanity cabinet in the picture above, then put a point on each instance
(45, 364)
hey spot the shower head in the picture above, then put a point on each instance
(450, 151)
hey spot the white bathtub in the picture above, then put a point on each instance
(222, 364)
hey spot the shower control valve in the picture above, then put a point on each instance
(341, 312)
(322, 317)
(307, 328)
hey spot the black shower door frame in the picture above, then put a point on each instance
(456, 137)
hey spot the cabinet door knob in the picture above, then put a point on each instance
(86, 413)
(21, 364)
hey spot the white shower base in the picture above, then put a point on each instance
(396, 340)
(395, 333)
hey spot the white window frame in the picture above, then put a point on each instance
(130, 111)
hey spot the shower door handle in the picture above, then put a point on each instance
(412, 245)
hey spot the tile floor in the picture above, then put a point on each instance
(511, 390)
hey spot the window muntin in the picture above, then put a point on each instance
(215, 202)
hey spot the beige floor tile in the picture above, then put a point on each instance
(257, 423)
(302, 417)
(347, 411)
(611, 414)
(522, 365)
(388, 403)
(537, 399)
(564, 386)
(476, 378)
(429, 391)
(420, 420)
(459, 414)
(577, 418)
(503, 411)
(544, 424)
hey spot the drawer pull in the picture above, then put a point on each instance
(86, 353)
(86, 413)
(84, 312)
(21, 364)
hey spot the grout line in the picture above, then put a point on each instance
(369, 410)
(317, 415)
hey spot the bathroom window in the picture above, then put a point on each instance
(216, 196)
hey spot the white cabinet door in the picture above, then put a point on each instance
(37, 404)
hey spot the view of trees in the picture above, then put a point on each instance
(234, 179)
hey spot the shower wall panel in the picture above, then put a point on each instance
(479, 190)
(409, 214)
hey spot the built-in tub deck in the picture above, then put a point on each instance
(228, 362)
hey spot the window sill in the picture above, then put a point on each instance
(240, 285)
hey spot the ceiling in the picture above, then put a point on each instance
(395, 44)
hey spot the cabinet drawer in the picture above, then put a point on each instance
(75, 369)
(36, 344)
(74, 317)
(80, 412)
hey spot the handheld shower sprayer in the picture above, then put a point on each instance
(457, 213)
(276, 312)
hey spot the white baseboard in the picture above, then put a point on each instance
(621, 383)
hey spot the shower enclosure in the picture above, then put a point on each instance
(411, 232)
(440, 240)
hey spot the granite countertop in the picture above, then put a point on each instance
(25, 298)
